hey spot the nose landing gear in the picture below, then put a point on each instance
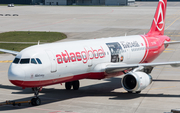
(36, 100)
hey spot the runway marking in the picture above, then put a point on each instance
(162, 88)
(167, 51)
(6, 61)
(173, 23)
(173, 35)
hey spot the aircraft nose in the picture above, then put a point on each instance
(16, 75)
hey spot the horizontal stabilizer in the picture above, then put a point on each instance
(172, 42)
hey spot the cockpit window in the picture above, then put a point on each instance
(33, 61)
(25, 61)
(16, 60)
(39, 61)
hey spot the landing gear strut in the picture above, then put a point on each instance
(36, 100)
(74, 84)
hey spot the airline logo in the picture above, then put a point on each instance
(160, 16)
(84, 56)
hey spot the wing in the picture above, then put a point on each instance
(117, 67)
(9, 51)
(172, 42)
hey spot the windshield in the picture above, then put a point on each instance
(39, 61)
(33, 61)
(16, 60)
(25, 61)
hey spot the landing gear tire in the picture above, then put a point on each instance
(137, 92)
(35, 101)
(32, 89)
(68, 85)
(75, 85)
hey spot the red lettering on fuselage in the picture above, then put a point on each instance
(83, 56)
(64, 57)
(59, 59)
(78, 56)
(68, 55)
(73, 57)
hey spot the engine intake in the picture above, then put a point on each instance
(136, 81)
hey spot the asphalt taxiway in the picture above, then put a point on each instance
(95, 96)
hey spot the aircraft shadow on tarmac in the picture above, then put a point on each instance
(50, 95)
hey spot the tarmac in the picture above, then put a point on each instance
(87, 22)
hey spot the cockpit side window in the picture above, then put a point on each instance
(16, 60)
(39, 61)
(25, 61)
(33, 61)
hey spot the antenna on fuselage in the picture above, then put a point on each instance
(38, 42)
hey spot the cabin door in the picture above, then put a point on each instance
(52, 60)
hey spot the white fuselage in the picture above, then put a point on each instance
(67, 61)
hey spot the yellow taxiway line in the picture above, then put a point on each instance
(6, 61)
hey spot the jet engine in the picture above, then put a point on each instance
(136, 81)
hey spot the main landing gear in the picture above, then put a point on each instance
(74, 84)
(137, 92)
(36, 100)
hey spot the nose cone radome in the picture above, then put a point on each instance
(16, 75)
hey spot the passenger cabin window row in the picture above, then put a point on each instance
(27, 61)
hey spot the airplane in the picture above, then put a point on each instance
(68, 62)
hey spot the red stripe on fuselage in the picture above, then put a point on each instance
(155, 47)
(146, 52)
(92, 75)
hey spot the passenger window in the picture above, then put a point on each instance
(16, 60)
(33, 61)
(39, 61)
(25, 61)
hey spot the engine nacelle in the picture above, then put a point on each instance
(136, 81)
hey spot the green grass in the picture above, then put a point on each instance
(14, 47)
(27, 36)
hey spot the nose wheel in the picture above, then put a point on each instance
(36, 100)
